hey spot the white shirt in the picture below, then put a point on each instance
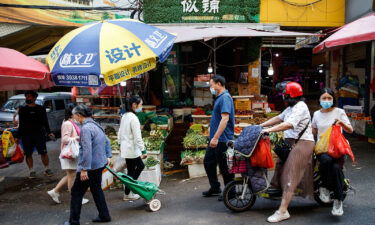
(323, 120)
(130, 136)
(299, 116)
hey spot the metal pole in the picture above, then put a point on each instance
(214, 49)
(119, 91)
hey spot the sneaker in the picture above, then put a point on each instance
(337, 209)
(211, 192)
(85, 201)
(54, 195)
(48, 173)
(324, 195)
(131, 197)
(277, 217)
(32, 175)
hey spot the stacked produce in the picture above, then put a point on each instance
(151, 162)
(203, 111)
(190, 157)
(154, 142)
(195, 140)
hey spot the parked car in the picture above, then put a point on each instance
(55, 104)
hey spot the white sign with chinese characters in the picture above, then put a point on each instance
(208, 6)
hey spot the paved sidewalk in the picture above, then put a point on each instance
(26, 202)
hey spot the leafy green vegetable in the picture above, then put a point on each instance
(195, 140)
(151, 161)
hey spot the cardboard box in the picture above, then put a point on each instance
(244, 89)
(107, 179)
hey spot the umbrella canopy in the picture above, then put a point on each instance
(20, 72)
(359, 30)
(116, 49)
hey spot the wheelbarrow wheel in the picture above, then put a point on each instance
(154, 205)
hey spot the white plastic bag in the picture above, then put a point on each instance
(71, 150)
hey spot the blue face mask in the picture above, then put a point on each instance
(138, 110)
(326, 104)
(213, 91)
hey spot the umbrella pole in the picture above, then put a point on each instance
(121, 101)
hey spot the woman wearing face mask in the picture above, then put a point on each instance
(330, 169)
(69, 131)
(297, 169)
(131, 143)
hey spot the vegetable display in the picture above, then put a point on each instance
(190, 157)
(153, 143)
(110, 131)
(151, 162)
(114, 143)
(194, 140)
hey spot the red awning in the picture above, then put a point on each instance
(360, 30)
(20, 72)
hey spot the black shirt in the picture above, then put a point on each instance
(33, 120)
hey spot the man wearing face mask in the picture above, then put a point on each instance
(33, 126)
(221, 131)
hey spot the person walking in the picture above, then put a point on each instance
(131, 143)
(297, 169)
(94, 154)
(221, 131)
(33, 127)
(69, 131)
(331, 170)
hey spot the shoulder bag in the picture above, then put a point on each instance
(283, 148)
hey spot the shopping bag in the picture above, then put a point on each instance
(71, 150)
(262, 156)
(9, 144)
(18, 155)
(338, 145)
(322, 145)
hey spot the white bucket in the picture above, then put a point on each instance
(178, 115)
(187, 111)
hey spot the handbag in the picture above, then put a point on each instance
(71, 150)
(283, 148)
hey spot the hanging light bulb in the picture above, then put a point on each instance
(270, 70)
(123, 84)
(210, 69)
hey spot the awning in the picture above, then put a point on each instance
(360, 30)
(209, 31)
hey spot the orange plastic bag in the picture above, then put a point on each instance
(262, 156)
(18, 155)
(338, 145)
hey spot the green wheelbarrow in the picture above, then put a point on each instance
(146, 190)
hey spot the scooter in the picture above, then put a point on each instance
(238, 195)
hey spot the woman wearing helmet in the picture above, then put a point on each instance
(297, 168)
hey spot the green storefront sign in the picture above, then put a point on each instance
(201, 11)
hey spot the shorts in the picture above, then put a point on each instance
(31, 142)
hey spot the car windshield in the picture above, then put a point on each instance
(12, 104)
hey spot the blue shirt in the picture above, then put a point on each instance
(95, 147)
(223, 104)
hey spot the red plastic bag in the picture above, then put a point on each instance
(262, 156)
(18, 155)
(338, 145)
